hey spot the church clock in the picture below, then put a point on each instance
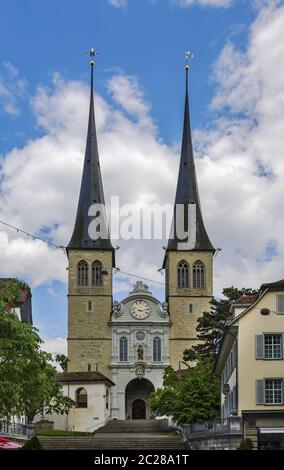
(140, 310)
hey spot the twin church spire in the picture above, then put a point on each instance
(187, 194)
(91, 191)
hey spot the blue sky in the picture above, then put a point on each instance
(146, 39)
(43, 53)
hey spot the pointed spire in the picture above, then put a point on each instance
(187, 193)
(91, 191)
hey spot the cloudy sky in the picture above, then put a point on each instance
(237, 111)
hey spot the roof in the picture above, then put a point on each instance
(187, 189)
(273, 285)
(91, 192)
(245, 299)
(83, 377)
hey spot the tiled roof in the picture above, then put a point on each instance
(83, 377)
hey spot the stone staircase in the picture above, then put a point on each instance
(121, 435)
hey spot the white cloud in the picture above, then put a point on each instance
(12, 89)
(118, 3)
(40, 182)
(243, 167)
(240, 168)
(209, 3)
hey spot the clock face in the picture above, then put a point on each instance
(140, 310)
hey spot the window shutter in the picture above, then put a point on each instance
(259, 392)
(280, 304)
(259, 346)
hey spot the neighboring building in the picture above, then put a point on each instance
(23, 309)
(251, 366)
(131, 343)
(23, 306)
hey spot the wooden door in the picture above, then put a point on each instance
(139, 409)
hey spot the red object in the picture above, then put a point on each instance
(7, 444)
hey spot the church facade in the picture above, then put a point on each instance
(126, 346)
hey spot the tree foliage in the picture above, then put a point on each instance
(211, 326)
(28, 380)
(188, 398)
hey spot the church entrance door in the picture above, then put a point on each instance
(139, 409)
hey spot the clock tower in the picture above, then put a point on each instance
(188, 261)
(140, 352)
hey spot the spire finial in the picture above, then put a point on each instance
(92, 53)
(188, 55)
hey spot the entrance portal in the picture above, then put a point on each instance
(139, 409)
(137, 394)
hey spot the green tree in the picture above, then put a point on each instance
(190, 397)
(211, 326)
(28, 380)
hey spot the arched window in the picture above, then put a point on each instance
(123, 349)
(83, 274)
(157, 353)
(107, 398)
(140, 353)
(198, 275)
(97, 278)
(81, 398)
(183, 274)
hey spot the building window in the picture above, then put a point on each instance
(97, 278)
(190, 308)
(273, 346)
(107, 398)
(89, 367)
(81, 398)
(280, 304)
(89, 305)
(157, 353)
(273, 391)
(198, 274)
(183, 274)
(123, 349)
(83, 274)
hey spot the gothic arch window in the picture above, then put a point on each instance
(82, 274)
(157, 349)
(81, 398)
(123, 349)
(183, 274)
(140, 353)
(107, 398)
(198, 275)
(97, 278)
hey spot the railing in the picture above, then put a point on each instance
(16, 430)
(231, 425)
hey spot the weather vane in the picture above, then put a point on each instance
(92, 53)
(188, 55)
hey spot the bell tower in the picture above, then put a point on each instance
(188, 261)
(91, 259)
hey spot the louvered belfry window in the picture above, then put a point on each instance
(183, 274)
(97, 278)
(83, 274)
(198, 275)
